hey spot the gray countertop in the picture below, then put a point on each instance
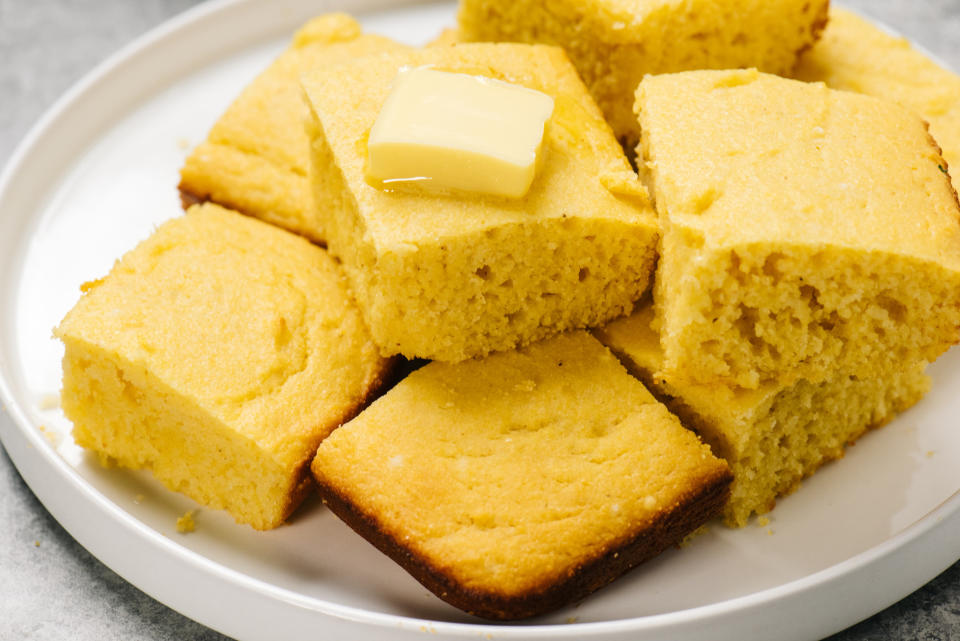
(50, 586)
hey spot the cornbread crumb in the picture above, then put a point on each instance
(688, 539)
(523, 521)
(763, 521)
(186, 523)
(49, 402)
(51, 435)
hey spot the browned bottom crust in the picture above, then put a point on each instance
(668, 530)
(188, 199)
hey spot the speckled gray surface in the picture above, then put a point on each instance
(50, 587)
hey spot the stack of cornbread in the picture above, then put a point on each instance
(774, 282)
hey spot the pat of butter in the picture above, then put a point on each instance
(453, 132)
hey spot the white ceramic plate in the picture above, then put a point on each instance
(100, 170)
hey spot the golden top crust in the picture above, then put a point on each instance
(584, 173)
(535, 463)
(741, 157)
(251, 323)
(256, 157)
(856, 56)
(614, 43)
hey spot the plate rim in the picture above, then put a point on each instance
(25, 445)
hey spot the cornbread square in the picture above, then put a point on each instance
(218, 354)
(518, 483)
(614, 43)
(256, 156)
(854, 55)
(774, 436)
(448, 277)
(805, 230)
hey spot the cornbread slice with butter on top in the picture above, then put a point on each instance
(218, 354)
(805, 230)
(614, 43)
(774, 436)
(448, 277)
(255, 159)
(518, 483)
(856, 56)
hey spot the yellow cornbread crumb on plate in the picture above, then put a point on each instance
(855, 55)
(449, 277)
(614, 43)
(53, 438)
(49, 402)
(774, 436)
(805, 230)
(186, 522)
(255, 159)
(217, 354)
(524, 519)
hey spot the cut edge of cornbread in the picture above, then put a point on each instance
(451, 296)
(796, 295)
(493, 428)
(153, 378)
(101, 399)
(806, 327)
(772, 437)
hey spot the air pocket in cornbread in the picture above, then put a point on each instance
(805, 230)
(774, 436)
(256, 156)
(515, 484)
(614, 43)
(856, 56)
(218, 354)
(449, 277)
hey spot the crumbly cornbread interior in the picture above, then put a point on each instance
(450, 278)
(805, 230)
(256, 157)
(774, 436)
(217, 354)
(510, 473)
(614, 43)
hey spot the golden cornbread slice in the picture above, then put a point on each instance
(774, 436)
(218, 354)
(449, 277)
(256, 157)
(805, 230)
(512, 485)
(614, 43)
(854, 55)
